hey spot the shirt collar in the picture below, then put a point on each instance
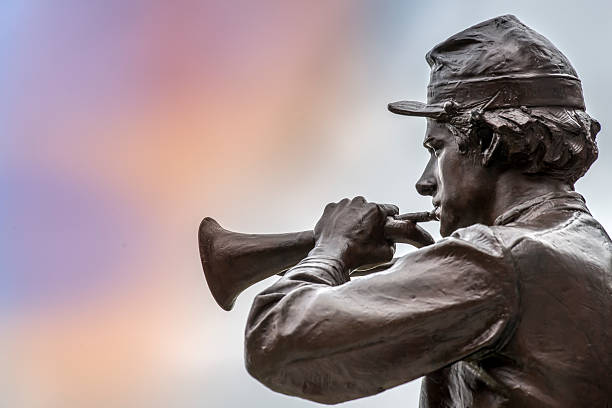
(567, 200)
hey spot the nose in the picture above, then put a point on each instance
(427, 185)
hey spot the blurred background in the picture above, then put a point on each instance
(124, 123)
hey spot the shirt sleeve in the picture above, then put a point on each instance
(318, 335)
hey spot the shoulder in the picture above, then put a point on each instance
(556, 241)
(471, 243)
(475, 252)
(471, 265)
(484, 237)
(547, 230)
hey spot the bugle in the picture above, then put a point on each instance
(234, 261)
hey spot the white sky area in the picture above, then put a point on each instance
(343, 145)
(379, 155)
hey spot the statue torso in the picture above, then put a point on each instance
(559, 353)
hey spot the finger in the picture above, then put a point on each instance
(395, 230)
(423, 237)
(359, 200)
(407, 232)
(388, 210)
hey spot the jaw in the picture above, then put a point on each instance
(455, 218)
(446, 223)
(446, 228)
(470, 203)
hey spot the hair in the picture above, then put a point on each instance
(550, 141)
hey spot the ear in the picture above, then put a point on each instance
(489, 151)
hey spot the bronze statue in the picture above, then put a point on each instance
(512, 308)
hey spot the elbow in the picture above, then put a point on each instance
(261, 357)
(286, 359)
(269, 347)
(271, 365)
(255, 365)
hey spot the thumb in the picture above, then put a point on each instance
(389, 210)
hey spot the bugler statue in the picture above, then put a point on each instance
(512, 308)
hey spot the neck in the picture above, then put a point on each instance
(513, 188)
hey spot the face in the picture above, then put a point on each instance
(461, 188)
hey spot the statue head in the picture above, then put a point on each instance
(512, 103)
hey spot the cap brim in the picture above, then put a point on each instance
(414, 108)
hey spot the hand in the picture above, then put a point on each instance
(354, 232)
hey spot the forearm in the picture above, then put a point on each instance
(285, 349)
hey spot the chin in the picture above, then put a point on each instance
(446, 230)
(448, 225)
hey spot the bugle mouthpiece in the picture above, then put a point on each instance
(423, 216)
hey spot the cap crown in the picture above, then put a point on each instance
(496, 47)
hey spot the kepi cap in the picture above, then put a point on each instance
(499, 63)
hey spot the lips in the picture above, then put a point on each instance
(437, 212)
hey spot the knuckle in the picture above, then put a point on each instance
(330, 206)
(373, 208)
